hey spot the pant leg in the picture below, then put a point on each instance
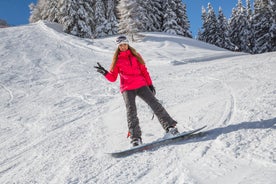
(131, 110)
(161, 113)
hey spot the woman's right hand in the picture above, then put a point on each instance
(101, 69)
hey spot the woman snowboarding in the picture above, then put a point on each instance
(135, 81)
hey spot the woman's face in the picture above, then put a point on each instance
(123, 47)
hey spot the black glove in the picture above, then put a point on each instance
(152, 88)
(101, 69)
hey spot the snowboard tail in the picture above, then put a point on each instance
(148, 146)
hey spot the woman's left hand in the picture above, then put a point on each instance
(152, 88)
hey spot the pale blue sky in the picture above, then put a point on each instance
(16, 12)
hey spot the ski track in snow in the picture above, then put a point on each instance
(229, 108)
(59, 117)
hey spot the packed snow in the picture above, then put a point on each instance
(59, 117)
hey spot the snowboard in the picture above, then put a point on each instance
(160, 142)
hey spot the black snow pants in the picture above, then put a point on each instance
(145, 94)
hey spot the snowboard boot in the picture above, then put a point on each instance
(172, 131)
(136, 142)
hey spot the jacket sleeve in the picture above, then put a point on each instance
(146, 74)
(112, 75)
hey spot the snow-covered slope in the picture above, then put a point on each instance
(58, 117)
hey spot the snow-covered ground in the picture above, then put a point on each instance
(59, 117)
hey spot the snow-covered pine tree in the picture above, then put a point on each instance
(199, 33)
(100, 19)
(222, 29)
(75, 17)
(35, 11)
(272, 30)
(49, 10)
(235, 29)
(262, 25)
(141, 15)
(149, 15)
(157, 14)
(44, 10)
(249, 30)
(128, 22)
(211, 26)
(244, 33)
(202, 33)
(182, 19)
(248, 9)
(223, 39)
(170, 18)
(112, 22)
(153, 13)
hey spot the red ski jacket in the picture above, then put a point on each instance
(133, 74)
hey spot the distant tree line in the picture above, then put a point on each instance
(247, 30)
(3, 23)
(251, 30)
(100, 18)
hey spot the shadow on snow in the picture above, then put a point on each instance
(212, 134)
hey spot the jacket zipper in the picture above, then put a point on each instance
(130, 62)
